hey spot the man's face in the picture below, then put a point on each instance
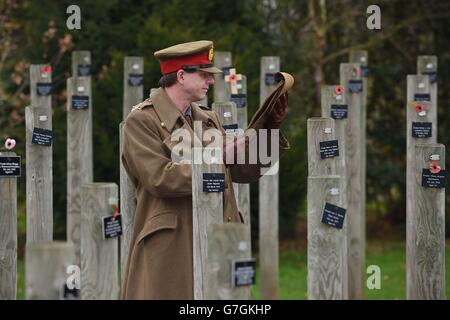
(196, 84)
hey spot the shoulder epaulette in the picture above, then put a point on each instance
(142, 105)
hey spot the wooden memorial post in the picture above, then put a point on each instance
(426, 225)
(133, 83)
(47, 265)
(240, 99)
(81, 64)
(350, 79)
(133, 94)
(222, 60)
(327, 247)
(361, 57)
(216, 246)
(39, 166)
(79, 152)
(268, 200)
(99, 256)
(9, 171)
(425, 202)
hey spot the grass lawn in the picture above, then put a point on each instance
(390, 257)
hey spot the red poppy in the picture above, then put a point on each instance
(116, 212)
(338, 90)
(47, 69)
(434, 167)
(232, 77)
(420, 107)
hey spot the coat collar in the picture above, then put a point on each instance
(169, 114)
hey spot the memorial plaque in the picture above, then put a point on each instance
(422, 97)
(421, 129)
(10, 166)
(333, 215)
(42, 137)
(213, 182)
(112, 226)
(433, 180)
(135, 79)
(80, 102)
(84, 70)
(269, 79)
(240, 100)
(230, 128)
(355, 86)
(339, 111)
(329, 149)
(364, 72)
(243, 272)
(44, 89)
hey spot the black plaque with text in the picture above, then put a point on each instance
(421, 129)
(243, 272)
(84, 70)
(213, 182)
(333, 215)
(112, 226)
(10, 166)
(44, 89)
(432, 76)
(42, 137)
(80, 102)
(240, 100)
(135, 79)
(329, 149)
(364, 72)
(422, 97)
(339, 111)
(355, 86)
(269, 79)
(433, 180)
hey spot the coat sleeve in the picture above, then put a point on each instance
(147, 163)
(247, 172)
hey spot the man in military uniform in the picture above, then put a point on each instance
(160, 259)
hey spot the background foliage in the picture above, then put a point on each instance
(312, 37)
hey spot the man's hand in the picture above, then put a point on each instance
(278, 113)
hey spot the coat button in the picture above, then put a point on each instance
(162, 124)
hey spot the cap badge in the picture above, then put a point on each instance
(211, 54)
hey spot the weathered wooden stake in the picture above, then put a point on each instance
(226, 242)
(426, 229)
(207, 209)
(350, 79)
(79, 152)
(81, 64)
(361, 57)
(133, 93)
(222, 60)
(242, 120)
(8, 235)
(427, 65)
(268, 205)
(133, 84)
(327, 246)
(127, 208)
(99, 258)
(46, 269)
(39, 178)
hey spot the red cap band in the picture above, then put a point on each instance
(176, 63)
